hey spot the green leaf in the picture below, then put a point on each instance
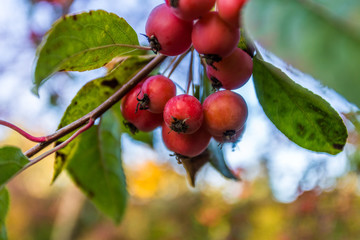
(194, 164)
(205, 85)
(305, 118)
(92, 95)
(244, 43)
(12, 160)
(83, 42)
(4, 207)
(95, 165)
(319, 37)
(217, 160)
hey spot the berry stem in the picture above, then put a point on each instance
(102, 108)
(22, 132)
(170, 64)
(177, 62)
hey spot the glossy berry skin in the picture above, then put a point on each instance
(213, 36)
(190, 9)
(143, 120)
(189, 145)
(183, 114)
(232, 71)
(229, 10)
(225, 113)
(155, 92)
(167, 33)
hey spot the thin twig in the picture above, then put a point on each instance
(63, 144)
(22, 132)
(177, 62)
(58, 147)
(97, 112)
(169, 65)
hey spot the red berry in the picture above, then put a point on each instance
(189, 145)
(229, 10)
(167, 33)
(143, 120)
(225, 113)
(232, 71)
(155, 93)
(213, 36)
(183, 114)
(190, 9)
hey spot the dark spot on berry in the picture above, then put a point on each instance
(174, 3)
(210, 59)
(228, 135)
(143, 103)
(215, 83)
(154, 43)
(179, 125)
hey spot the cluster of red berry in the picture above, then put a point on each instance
(188, 125)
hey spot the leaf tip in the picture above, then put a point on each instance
(35, 90)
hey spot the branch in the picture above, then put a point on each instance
(63, 144)
(58, 147)
(97, 112)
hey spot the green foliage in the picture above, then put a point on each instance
(4, 207)
(217, 160)
(305, 118)
(83, 42)
(318, 37)
(93, 94)
(95, 165)
(205, 85)
(12, 160)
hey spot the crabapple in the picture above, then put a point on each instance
(229, 10)
(183, 114)
(167, 33)
(189, 145)
(143, 120)
(225, 113)
(190, 9)
(155, 92)
(213, 36)
(232, 71)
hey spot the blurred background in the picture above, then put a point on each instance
(286, 192)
